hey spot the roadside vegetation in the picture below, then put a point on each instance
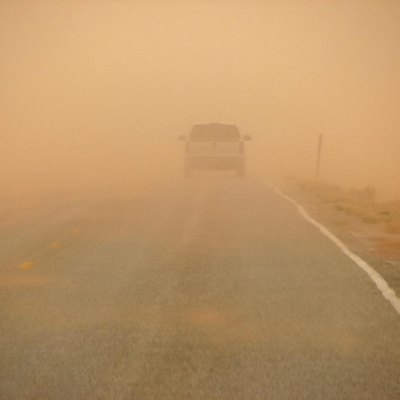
(358, 204)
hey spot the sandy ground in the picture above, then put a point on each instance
(369, 229)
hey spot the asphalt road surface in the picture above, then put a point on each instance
(202, 289)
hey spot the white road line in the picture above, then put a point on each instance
(381, 284)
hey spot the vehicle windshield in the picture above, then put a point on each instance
(215, 132)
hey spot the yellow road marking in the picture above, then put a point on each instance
(26, 265)
(55, 245)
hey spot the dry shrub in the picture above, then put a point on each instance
(353, 202)
(323, 191)
(367, 194)
(364, 213)
(358, 203)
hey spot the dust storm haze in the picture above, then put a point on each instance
(95, 93)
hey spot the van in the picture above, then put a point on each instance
(214, 147)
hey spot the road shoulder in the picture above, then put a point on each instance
(368, 228)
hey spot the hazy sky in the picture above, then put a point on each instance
(95, 93)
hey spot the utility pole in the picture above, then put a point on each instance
(318, 157)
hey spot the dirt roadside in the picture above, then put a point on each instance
(371, 229)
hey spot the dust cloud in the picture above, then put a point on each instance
(95, 93)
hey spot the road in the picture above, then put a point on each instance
(199, 289)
